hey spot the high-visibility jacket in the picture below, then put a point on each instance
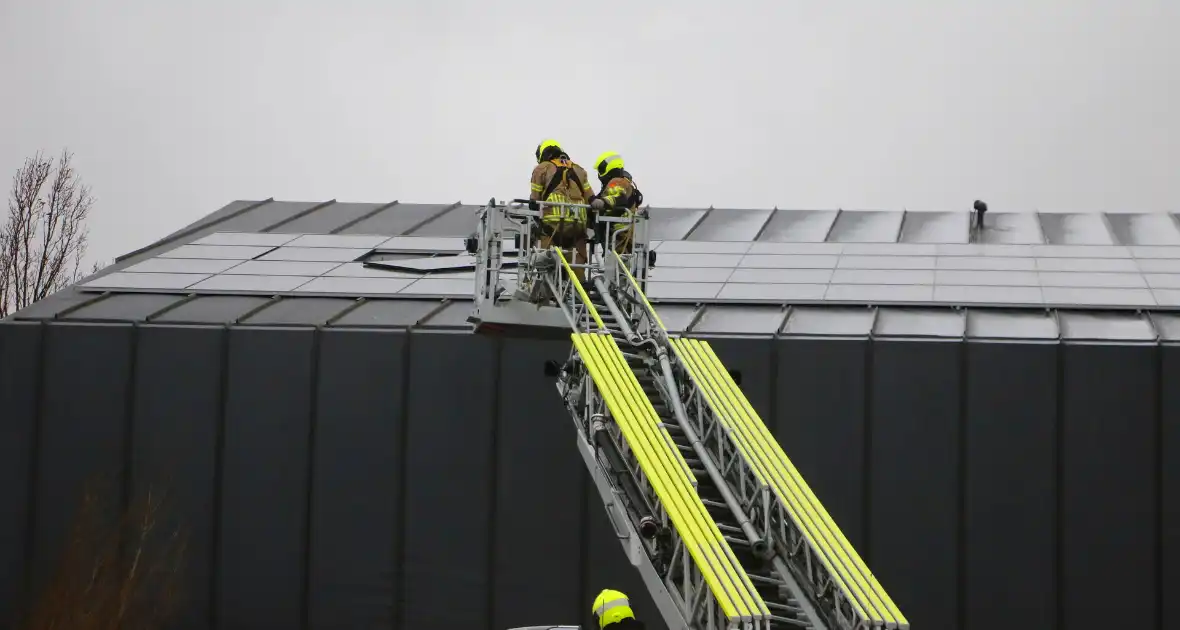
(620, 196)
(560, 180)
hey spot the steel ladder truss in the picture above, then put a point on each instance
(719, 523)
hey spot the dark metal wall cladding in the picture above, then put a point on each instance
(374, 478)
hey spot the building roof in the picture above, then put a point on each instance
(402, 265)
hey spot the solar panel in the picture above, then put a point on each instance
(682, 274)
(958, 294)
(987, 278)
(984, 263)
(866, 227)
(883, 276)
(264, 239)
(888, 249)
(1086, 264)
(437, 263)
(776, 261)
(719, 318)
(342, 241)
(781, 276)
(1156, 265)
(281, 268)
(772, 292)
(1162, 280)
(702, 247)
(886, 262)
(441, 287)
(698, 260)
(1148, 251)
(220, 252)
(879, 293)
(730, 225)
(798, 226)
(360, 270)
(1061, 296)
(1105, 326)
(182, 265)
(1167, 297)
(796, 248)
(251, 283)
(355, 286)
(1099, 280)
(316, 254)
(124, 280)
(683, 290)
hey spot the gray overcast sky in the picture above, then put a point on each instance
(175, 108)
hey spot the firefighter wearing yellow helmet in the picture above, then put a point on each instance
(618, 198)
(557, 179)
(612, 609)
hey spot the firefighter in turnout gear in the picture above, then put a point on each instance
(618, 198)
(557, 179)
(612, 610)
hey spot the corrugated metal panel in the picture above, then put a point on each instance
(935, 227)
(859, 226)
(1114, 326)
(266, 215)
(358, 444)
(1010, 490)
(742, 320)
(829, 322)
(396, 219)
(676, 317)
(388, 313)
(461, 221)
(1075, 229)
(1144, 229)
(1167, 325)
(899, 322)
(820, 401)
(535, 459)
(731, 225)
(914, 397)
(54, 304)
(449, 481)
(300, 311)
(133, 307)
(84, 407)
(174, 442)
(1011, 324)
(20, 365)
(1011, 228)
(212, 309)
(1108, 509)
(798, 226)
(324, 220)
(264, 477)
(673, 223)
(453, 315)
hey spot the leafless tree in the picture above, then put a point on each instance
(44, 238)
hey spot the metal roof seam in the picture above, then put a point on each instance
(368, 215)
(298, 215)
(193, 230)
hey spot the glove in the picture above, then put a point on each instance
(598, 204)
(591, 235)
(534, 206)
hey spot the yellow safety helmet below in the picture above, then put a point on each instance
(545, 145)
(608, 162)
(611, 606)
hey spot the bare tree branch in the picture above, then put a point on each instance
(43, 240)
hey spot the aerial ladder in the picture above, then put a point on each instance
(719, 523)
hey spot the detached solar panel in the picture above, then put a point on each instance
(462, 262)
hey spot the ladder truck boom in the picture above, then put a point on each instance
(720, 525)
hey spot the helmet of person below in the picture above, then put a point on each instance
(545, 145)
(608, 162)
(611, 606)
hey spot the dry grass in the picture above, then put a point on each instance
(114, 573)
